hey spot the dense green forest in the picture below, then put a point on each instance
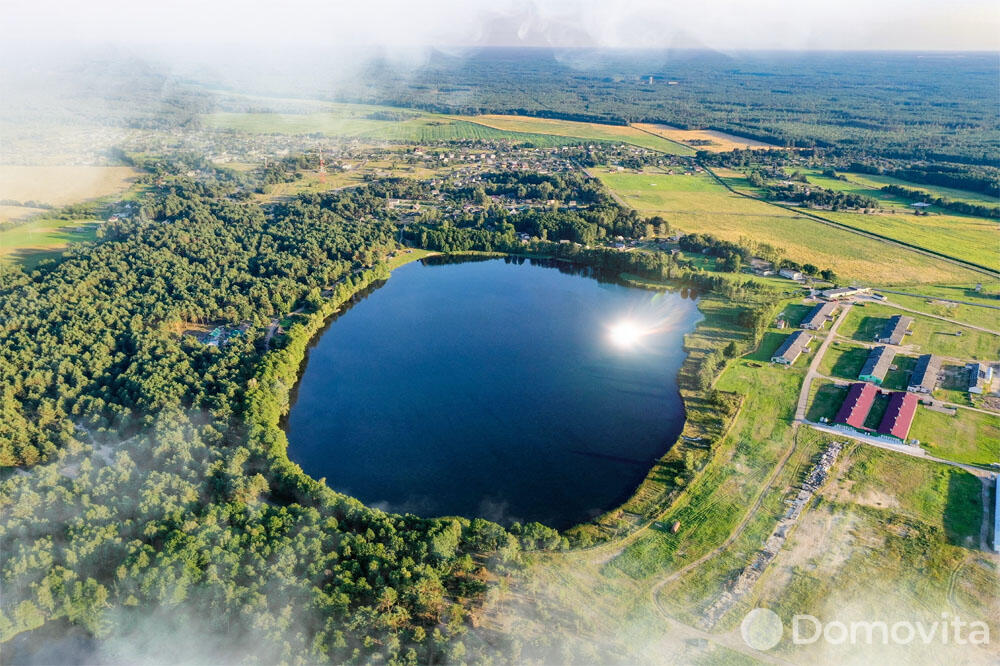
(890, 105)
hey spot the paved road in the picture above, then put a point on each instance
(813, 372)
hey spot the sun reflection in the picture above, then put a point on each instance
(639, 327)
(626, 334)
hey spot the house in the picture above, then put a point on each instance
(898, 415)
(854, 410)
(791, 348)
(790, 274)
(924, 377)
(980, 377)
(844, 292)
(818, 316)
(761, 267)
(894, 330)
(876, 365)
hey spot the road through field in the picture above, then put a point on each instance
(813, 372)
(883, 239)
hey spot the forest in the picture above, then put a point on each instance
(151, 477)
(889, 105)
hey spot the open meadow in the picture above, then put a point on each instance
(872, 184)
(698, 204)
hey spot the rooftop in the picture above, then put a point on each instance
(854, 410)
(878, 362)
(898, 415)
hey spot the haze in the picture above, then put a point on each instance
(715, 24)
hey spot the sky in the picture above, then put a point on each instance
(723, 25)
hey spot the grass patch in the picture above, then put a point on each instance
(347, 121)
(843, 360)
(34, 241)
(967, 437)
(710, 140)
(825, 400)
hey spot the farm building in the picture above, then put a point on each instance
(790, 274)
(818, 316)
(854, 410)
(894, 330)
(898, 415)
(791, 348)
(876, 365)
(980, 377)
(924, 377)
(844, 292)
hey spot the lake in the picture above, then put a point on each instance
(502, 389)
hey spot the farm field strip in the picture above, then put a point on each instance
(420, 128)
(718, 141)
(580, 130)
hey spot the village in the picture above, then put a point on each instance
(875, 386)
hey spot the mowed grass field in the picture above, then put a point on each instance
(578, 130)
(29, 243)
(59, 185)
(719, 141)
(697, 203)
(966, 437)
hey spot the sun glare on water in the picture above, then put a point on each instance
(626, 334)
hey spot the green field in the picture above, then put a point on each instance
(963, 237)
(874, 183)
(930, 336)
(966, 437)
(697, 203)
(972, 239)
(29, 243)
(344, 121)
(976, 315)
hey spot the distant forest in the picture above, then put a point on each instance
(938, 107)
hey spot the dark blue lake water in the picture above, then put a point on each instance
(497, 389)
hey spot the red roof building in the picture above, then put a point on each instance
(854, 410)
(898, 415)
